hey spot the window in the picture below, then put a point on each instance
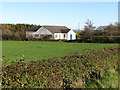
(42, 35)
(64, 35)
(59, 36)
(36, 35)
(55, 36)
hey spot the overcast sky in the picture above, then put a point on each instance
(59, 13)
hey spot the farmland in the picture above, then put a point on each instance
(36, 64)
(34, 50)
(96, 69)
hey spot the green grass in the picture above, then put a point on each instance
(108, 80)
(13, 50)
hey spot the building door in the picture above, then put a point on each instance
(70, 36)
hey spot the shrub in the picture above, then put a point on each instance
(48, 37)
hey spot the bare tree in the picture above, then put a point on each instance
(89, 25)
(89, 28)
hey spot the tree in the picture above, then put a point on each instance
(14, 31)
(89, 29)
(111, 30)
(89, 25)
(101, 28)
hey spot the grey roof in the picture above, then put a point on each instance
(53, 29)
(34, 28)
(57, 29)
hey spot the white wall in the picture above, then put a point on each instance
(60, 36)
(39, 33)
(44, 31)
(73, 35)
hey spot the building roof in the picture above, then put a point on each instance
(34, 28)
(53, 29)
(57, 29)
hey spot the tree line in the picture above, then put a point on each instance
(15, 31)
(102, 34)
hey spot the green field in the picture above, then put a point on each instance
(44, 50)
(86, 65)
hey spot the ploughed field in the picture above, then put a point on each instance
(13, 51)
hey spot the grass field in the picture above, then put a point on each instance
(13, 50)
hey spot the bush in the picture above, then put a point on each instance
(100, 39)
(48, 37)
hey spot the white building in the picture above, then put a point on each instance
(58, 32)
